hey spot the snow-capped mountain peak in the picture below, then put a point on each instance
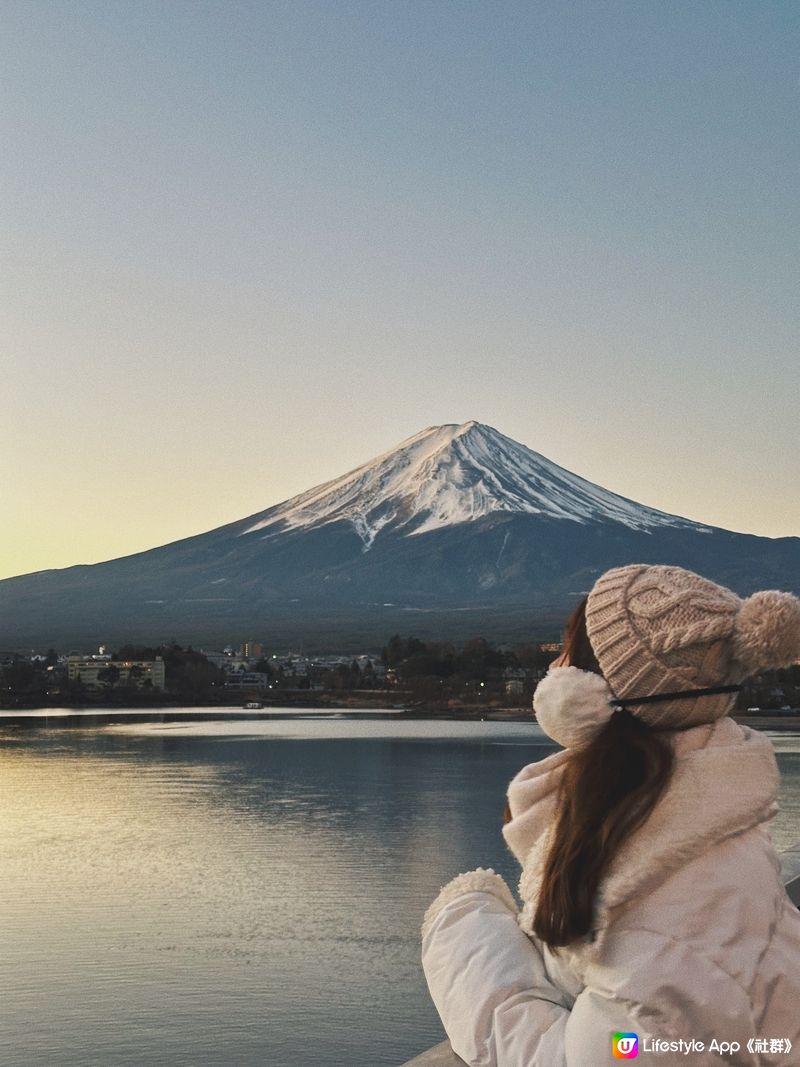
(452, 474)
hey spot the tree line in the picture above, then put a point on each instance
(426, 671)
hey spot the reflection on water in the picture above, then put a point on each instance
(182, 897)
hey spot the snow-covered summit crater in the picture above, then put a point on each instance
(453, 474)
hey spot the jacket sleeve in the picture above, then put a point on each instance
(499, 1007)
(488, 979)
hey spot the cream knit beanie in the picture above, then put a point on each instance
(658, 629)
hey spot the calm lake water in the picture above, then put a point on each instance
(242, 893)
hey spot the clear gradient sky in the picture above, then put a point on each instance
(248, 245)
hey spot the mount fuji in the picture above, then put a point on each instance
(447, 475)
(457, 531)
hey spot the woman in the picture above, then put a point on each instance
(655, 924)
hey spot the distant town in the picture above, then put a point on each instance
(423, 676)
(407, 669)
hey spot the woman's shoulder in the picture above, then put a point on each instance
(718, 795)
(725, 902)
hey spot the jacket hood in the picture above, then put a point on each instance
(725, 782)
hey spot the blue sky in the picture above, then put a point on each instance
(249, 245)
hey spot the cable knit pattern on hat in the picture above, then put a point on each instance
(658, 629)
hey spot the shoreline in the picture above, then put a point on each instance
(292, 704)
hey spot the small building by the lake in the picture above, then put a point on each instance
(97, 672)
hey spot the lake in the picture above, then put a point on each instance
(239, 893)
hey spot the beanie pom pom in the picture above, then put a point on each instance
(767, 631)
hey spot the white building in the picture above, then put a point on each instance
(89, 670)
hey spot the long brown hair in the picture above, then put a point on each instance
(608, 789)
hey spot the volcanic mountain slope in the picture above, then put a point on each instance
(457, 531)
(447, 475)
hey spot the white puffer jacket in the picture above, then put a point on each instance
(695, 939)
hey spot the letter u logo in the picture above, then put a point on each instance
(625, 1046)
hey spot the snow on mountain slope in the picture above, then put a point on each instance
(453, 474)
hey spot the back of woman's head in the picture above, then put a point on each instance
(608, 789)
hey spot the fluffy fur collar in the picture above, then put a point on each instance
(725, 782)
